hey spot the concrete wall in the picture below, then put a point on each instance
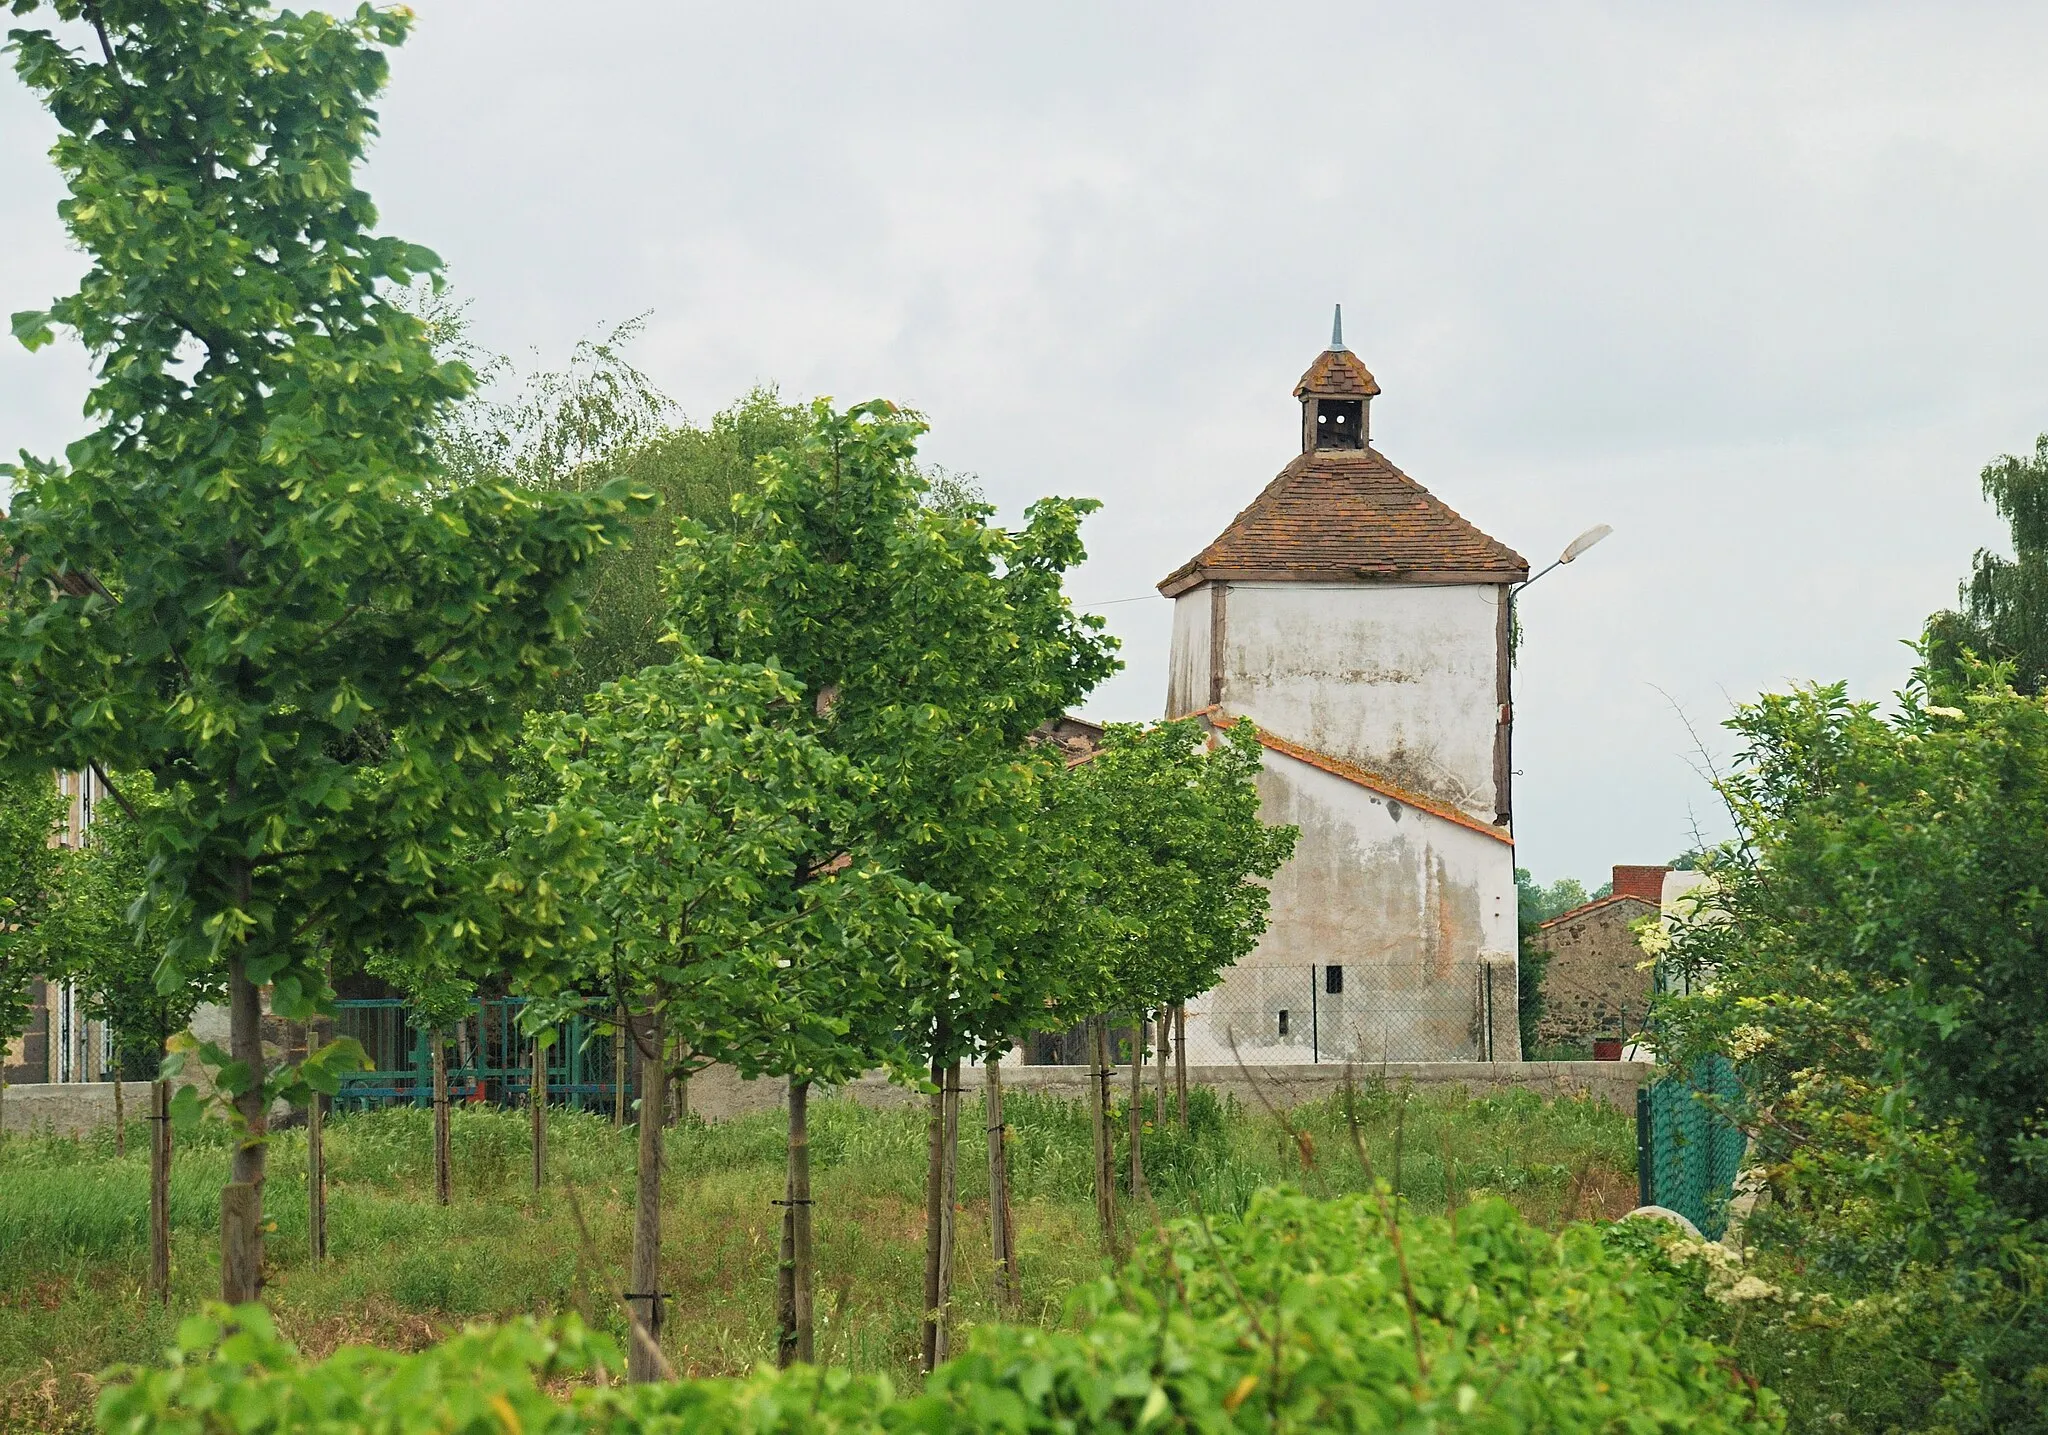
(1402, 681)
(72, 1107)
(1412, 907)
(719, 1095)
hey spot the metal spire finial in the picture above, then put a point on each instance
(1337, 330)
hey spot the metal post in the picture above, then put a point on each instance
(1646, 1152)
(1315, 1041)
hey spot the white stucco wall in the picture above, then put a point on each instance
(1187, 669)
(1399, 680)
(1412, 906)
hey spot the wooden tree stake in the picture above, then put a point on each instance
(160, 1190)
(1180, 1060)
(1002, 1234)
(316, 1178)
(1136, 1113)
(442, 1181)
(949, 1208)
(537, 1099)
(643, 1364)
(795, 1336)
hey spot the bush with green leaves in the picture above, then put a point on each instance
(1305, 1314)
(1870, 955)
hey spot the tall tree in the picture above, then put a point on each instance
(1180, 858)
(2001, 611)
(932, 643)
(248, 578)
(691, 824)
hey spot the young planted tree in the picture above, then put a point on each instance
(1180, 859)
(248, 579)
(720, 906)
(106, 932)
(30, 809)
(932, 643)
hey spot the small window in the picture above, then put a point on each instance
(1333, 980)
(1340, 423)
(1283, 1021)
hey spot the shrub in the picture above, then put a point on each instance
(1304, 1315)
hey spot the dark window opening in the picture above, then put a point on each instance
(1283, 1021)
(1333, 980)
(1340, 423)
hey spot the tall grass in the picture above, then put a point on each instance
(74, 1233)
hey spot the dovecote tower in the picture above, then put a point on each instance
(1362, 625)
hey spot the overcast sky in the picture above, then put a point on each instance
(1760, 286)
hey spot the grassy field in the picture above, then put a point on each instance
(403, 1271)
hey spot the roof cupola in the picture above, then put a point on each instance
(1336, 394)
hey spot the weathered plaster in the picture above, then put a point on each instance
(1401, 680)
(1409, 905)
(1187, 674)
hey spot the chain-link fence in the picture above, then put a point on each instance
(1346, 1012)
(1687, 1153)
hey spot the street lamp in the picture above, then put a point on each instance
(1572, 550)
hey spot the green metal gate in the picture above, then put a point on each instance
(1687, 1153)
(490, 1060)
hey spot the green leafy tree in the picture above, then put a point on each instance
(697, 821)
(1181, 856)
(1869, 953)
(932, 644)
(248, 579)
(106, 931)
(30, 809)
(2001, 612)
(1179, 859)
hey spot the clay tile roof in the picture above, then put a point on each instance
(1346, 515)
(1337, 374)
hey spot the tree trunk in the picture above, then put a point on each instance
(120, 1114)
(1135, 1114)
(934, 1196)
(442, 1180)
(1002, 1235)
(642, 1363)
(1105, 1160)
(1180, 1060)
(316, 1178)
(949, 1207)
(160, 1190)
(794, 1338)
(1165, 1050)
(537, 1099)
(619, 1040)
(241, 1200)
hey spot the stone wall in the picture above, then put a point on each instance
(1595, 985)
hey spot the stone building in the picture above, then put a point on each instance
(1596, 984)
(1362, 625)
